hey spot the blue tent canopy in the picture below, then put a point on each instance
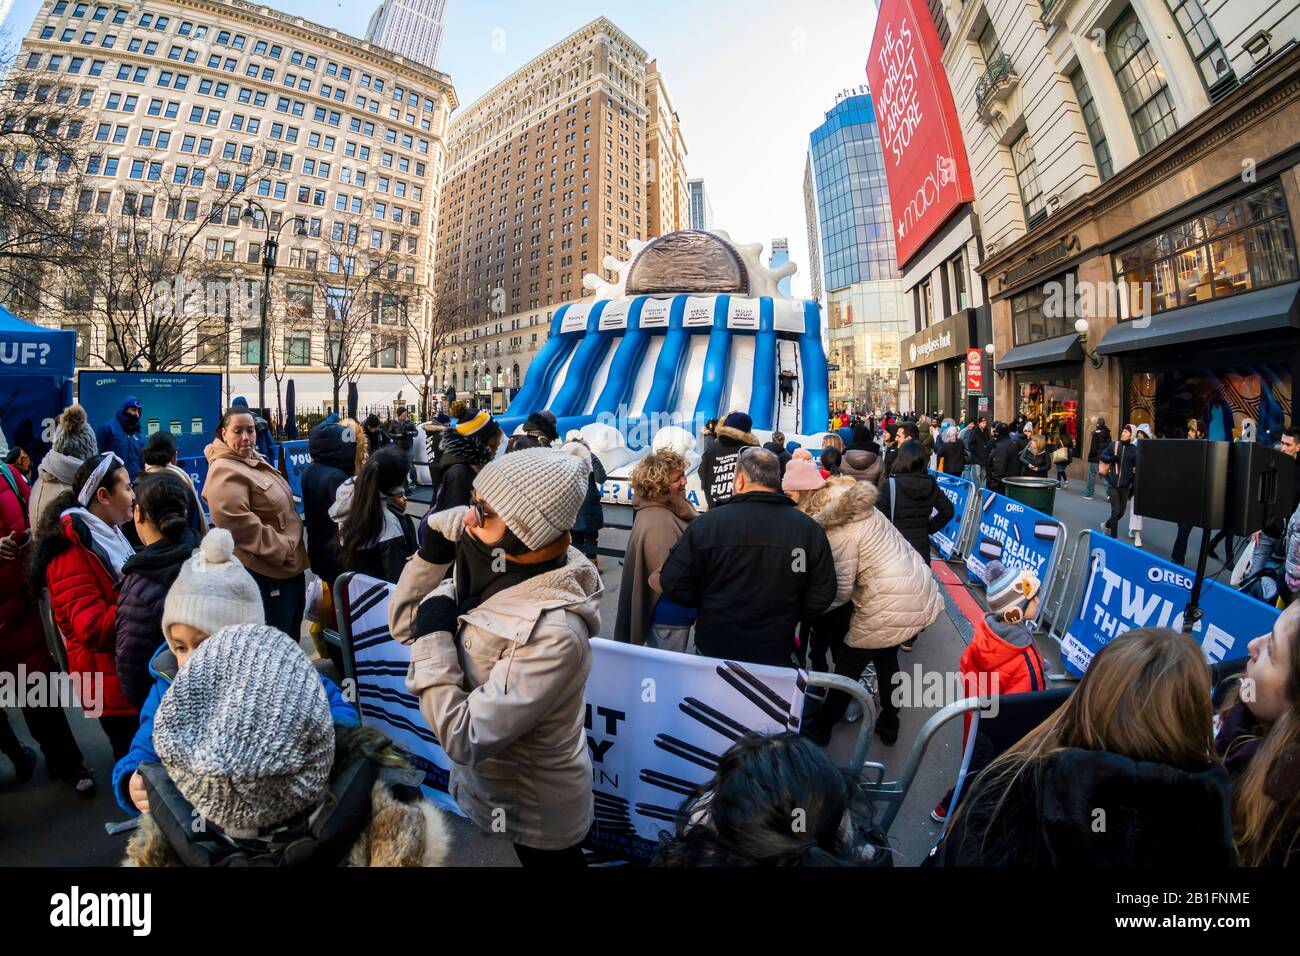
(37, 366)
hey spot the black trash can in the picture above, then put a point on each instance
(1036, 493)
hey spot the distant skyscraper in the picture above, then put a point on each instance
(701, 208)
(850, 220)
(780, 256)
(412, 28)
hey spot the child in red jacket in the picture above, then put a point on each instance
(1002, 658)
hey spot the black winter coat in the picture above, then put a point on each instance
(1123, 464)
(978, 446)
(953, 454)
(333, 462)
(147, 576)
(1035, 465)
(718, 464)
(1004, 462)
(1155, 816)
(739, 566)
(386, 558)
(780, 452)
(919, 496)
(455, 482)
(591, 517)
(1101, 437)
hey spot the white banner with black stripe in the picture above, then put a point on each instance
(657, 722)
(380, 665)
(657, 725)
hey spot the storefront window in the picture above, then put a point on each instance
(1033, 318)
(1053, 407)
(1224, 400)
(1243, 245)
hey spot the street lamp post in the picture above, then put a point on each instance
(270, 247)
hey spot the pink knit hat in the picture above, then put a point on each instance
(803, 453)
(802, 474)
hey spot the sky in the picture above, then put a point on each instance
(750, 80)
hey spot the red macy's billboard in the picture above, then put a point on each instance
(925, 158)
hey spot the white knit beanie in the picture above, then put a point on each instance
(213, 590)
(245, 730)
(536, 492)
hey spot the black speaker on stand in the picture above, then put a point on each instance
(1235, 486)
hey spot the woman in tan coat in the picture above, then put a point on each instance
(661, 515)
(893, 593)
(252, 501)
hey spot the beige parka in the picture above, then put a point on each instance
(894, 594)
(505, 697)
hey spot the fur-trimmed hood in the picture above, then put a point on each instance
(735, 436)
(849, 500)
(398, 834)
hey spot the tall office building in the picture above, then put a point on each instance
(412, 28)
(193, 108)
(814, 244)
(779, 257)
(701, 210)
(546, 178)
(865, 312)
(667, 198)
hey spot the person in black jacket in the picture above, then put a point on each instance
(591, 516)
(777, 447)
(1134, 742)
(1034, 459)
(375, 534)
(333, 461)
(912, 499)
(1122, 458)
(162, 507)
(952, 453)
(1004, 460)
(755, 568)
(376, 437)
(717, 469)
(1096, 445)
(465, 450)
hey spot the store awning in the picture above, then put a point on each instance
(1063, 348)
(1262, 311)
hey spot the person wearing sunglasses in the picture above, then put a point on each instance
(500, 652)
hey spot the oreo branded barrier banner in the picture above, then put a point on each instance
(958, 491)
(1016, 535)
(1128, 588)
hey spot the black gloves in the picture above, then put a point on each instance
(436, 614)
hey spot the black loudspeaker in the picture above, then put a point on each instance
(1182, 481)
(1260, 488)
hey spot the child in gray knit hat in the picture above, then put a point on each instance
(213, 591)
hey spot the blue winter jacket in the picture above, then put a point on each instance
(163, 667)
(127, 445)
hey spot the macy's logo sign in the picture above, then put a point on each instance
(927, 194)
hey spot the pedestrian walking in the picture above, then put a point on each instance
(1097, 443)
(1061, 459)
(1120, 461)
(1140, 434)
(1004, 459)
(952, 453)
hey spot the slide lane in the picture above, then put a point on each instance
(815, 377)
(715, 364)
(668, 367)
(541, 374)
(577, 379)
(762, 394)
(621, 379)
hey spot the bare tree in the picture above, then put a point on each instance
(44, 127)
(361, 290)
(428, 331)
(147, 275)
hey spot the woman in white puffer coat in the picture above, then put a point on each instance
(891, 591)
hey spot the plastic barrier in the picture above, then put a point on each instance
(948, 539)
(1019, 537)
(1122, 588)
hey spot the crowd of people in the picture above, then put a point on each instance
(189, 627)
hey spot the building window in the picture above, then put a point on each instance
(211, 347)
(1031, 193)
(83, 340)
(1043, 313)
(297, 348)
(1203, 43)
(250, 347)
(1141, 82)
(299, 299)
(990, 47)
(958, 264)
(1092, 120)
(1242, 245)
